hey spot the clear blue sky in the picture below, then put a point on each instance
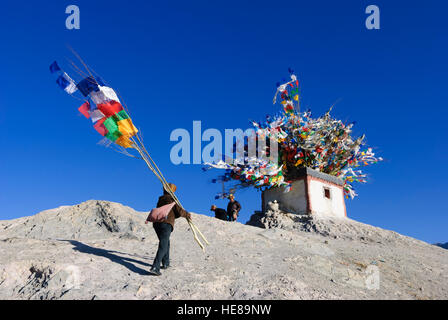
(218, 62)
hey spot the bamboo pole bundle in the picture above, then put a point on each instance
(137, 144)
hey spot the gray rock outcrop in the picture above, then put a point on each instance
(103, 250)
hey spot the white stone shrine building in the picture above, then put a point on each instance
(312, 192)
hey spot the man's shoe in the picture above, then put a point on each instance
(155, 272)
(165, 267)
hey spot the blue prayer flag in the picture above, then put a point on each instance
(62, 82)
(100, 81)
(87, 85)
(54, 67)
(66, 83)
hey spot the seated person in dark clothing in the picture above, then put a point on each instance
(220, 214)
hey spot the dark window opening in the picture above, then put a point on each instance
(327, 193)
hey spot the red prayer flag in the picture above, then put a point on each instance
(84, 109)
(99, 126)
(110, 108)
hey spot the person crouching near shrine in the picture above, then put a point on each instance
(220, 214)
(164, 227)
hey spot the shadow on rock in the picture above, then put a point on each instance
(111, 255)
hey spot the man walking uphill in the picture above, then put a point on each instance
(163, 230)
(233, 208)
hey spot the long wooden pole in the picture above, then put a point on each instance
(155, 169)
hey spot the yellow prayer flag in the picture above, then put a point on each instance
(127, 128)
(124, 142)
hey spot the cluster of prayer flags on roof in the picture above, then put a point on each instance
(324, 144)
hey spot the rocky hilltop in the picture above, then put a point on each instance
(103, 250)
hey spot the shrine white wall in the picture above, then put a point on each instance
(293, 201)
(308, 196)
(320, 204)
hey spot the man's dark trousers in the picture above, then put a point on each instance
(163, 231)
